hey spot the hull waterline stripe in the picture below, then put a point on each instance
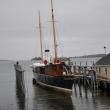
(60, 89)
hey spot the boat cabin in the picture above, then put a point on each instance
(50, 69)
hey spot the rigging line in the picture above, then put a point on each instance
(59, 44)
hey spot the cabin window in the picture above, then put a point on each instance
(106, 71)
(96, 69)
(42, 70)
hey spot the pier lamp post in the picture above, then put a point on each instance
(105, 49)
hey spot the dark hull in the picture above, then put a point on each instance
(57, 81)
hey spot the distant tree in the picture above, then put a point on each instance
(36, 58)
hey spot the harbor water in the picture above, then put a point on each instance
(38, 98)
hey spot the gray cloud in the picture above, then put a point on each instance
(83, 27)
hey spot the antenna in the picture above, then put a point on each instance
(105, 50)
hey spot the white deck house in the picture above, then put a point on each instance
(102, 67)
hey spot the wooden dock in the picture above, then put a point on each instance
(89, 80)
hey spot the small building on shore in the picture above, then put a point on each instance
(102, 67)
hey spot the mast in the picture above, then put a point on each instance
(54, 32)
(40, 31)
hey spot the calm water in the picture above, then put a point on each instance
(37, 98)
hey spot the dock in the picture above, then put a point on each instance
(87, 76)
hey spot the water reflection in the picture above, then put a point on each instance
(49, 100)
(20, 91)
(84, 99)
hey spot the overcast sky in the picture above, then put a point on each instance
(82, 27)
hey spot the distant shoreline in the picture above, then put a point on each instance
(7, 61)
(38, 58)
